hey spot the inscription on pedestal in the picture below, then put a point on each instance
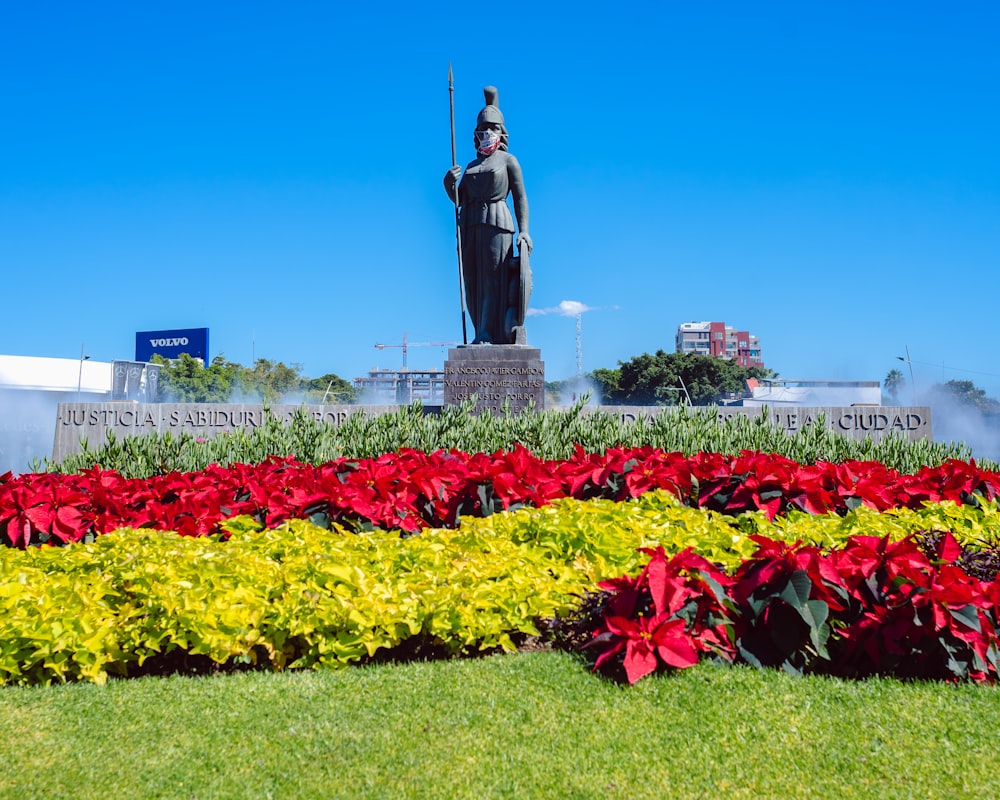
(495, 374)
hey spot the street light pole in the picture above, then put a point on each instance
(909, 363)
(79, 377)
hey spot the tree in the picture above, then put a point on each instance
(608, 383)
(963, 393)
(330, 389)
(272, 381)
(675, 379)
(187, 380)
(893, 382)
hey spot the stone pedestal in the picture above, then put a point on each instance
(495, 373)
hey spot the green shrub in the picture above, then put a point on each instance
(548, 434)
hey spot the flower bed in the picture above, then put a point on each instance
(300, 595)
(850, 569)
(410, 490)
(872, 607)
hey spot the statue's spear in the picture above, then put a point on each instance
(458, 227)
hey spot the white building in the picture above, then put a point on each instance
(32, 387)
(790, 392)
(63, 376)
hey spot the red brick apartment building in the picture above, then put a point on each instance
(719, 340)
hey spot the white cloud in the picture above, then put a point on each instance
(567, 308)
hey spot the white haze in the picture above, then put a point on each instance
(28, 420)
(575, 389)
(955, 422)
(27, 427)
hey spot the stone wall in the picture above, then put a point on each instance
(858, 422)
(92, 420)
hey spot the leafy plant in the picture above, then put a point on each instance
(552, 434)
(672, 612)
(872, 607)
(784, 605)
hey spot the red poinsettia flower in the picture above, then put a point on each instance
(646, 638)
(655, 469)
(813, 488)
(773, 561)
(54, 505)
(588, 473)
(519, 477)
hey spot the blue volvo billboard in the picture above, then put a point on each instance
(170, 344)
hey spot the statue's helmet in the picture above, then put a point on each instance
(491, 114)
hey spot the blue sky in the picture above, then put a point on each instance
(823, 174)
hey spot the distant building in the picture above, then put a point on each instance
(391, 386)
(720, 340)
(32, 387)
(66, 378)
(30, 391)
(776, 392)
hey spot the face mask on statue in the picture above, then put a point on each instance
(487, 142)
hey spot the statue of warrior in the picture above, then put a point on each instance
(497, 282)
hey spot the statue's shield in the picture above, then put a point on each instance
(518, 295)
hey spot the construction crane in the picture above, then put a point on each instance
(406, 345)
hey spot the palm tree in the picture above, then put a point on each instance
(893, 382)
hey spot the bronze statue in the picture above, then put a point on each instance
(497, 282)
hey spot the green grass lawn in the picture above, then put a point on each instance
(530, 725)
